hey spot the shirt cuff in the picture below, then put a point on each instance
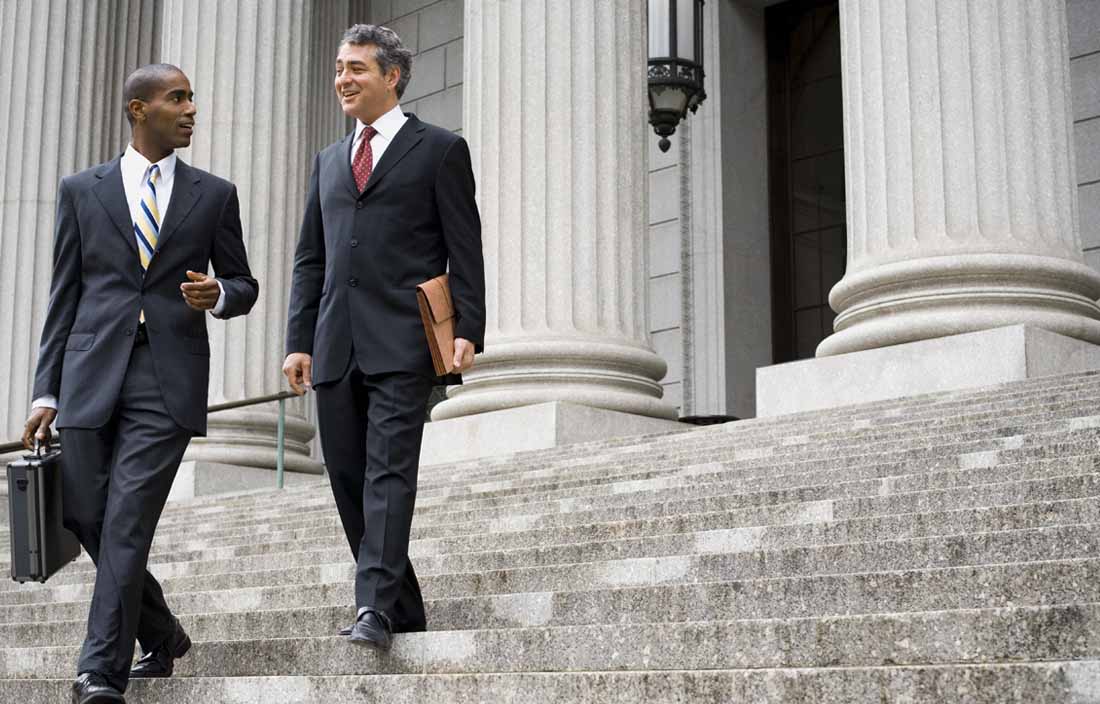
(45, 402)
(216, 311)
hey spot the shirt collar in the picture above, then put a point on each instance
(137, 160)
(387, 125)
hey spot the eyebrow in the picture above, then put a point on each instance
(351, 62)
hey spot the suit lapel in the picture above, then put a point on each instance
(185, 193)
(406, 138)
(112, 196)
(345, 167)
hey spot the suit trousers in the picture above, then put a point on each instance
(116, 482)
(371, 426)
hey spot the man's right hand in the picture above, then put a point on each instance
(298, 368)
(38, 427)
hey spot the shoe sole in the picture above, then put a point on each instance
(183, 648)
(359, 639)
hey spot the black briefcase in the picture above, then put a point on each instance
(40, 544)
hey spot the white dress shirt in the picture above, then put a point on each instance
(387, 128)
(134, 167)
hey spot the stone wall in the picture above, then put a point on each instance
(432, 29)
(1084, 53)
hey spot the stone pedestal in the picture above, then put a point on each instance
(535, 427)
(555, 116)
(948, 363)
(959, 169)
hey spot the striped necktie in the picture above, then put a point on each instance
(147, 226)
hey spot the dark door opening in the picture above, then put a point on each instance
(806, 172)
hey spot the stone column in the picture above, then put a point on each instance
(250, 64)
(555, 113)
(962, 211)
(62, 65)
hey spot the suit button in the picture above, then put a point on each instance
(353, 282)
(359, 205)
(355, 243)
(129, 331)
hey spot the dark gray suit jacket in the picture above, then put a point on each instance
(361, 255)
(98, 291)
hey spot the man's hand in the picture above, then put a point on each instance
(38, 427)
(298, 368)
(464, 355)
(201, 291)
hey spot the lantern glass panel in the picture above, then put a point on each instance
(668, 98)
(658, 28)
(685, 29)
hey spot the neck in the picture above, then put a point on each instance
(152, 152)
(369, 119)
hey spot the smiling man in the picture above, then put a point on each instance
(124, 362)
(389, 207)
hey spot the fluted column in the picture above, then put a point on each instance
(62, 65)
(962, 213)
(249, 62)
(555, 115)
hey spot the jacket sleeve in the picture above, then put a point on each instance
(231, 262)
(454, 194)
(65, 288)
(309, 272)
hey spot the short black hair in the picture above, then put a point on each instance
(144, 82)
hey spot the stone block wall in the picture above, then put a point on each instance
(432, 29)
(1084, 53)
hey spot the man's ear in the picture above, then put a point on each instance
(137, 109)
(393, 77)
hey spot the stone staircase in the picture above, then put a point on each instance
(943, 548)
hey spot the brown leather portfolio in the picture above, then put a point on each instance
(438, 313)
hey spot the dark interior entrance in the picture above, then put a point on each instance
(806, 172)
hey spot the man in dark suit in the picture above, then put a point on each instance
(389, 207)
(124, 362)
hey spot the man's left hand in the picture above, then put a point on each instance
(201, 291)
(464, 355)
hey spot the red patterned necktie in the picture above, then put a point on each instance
(364, 159)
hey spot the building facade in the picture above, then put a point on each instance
(863, 173)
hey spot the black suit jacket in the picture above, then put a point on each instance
(98, 291)
(360, 256)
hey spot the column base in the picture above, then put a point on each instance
(950, 363)
(536, 427)
(206, 478)
(248, 438)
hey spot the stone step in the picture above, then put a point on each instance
(929, 638)
(800, 509)
(978, 586)
(586, 449)
(596, 466)
(695, 479)
(1061, 682)
(611, 480)
(691, 482)
(692, 532)
(486, 575)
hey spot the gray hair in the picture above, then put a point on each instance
(144, 82)
(389, 51)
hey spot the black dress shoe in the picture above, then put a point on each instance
(92, 688)
(161, 661)
(397, 628)
(372, 628)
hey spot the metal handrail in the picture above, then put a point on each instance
(280, 439)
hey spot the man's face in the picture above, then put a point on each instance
(170, 113)
(364, 91)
